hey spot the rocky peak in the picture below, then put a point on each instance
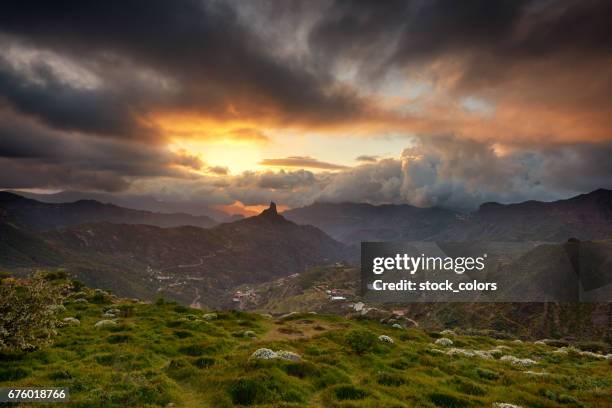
(270, 211)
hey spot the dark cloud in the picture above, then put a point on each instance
(34, 156)
(306, 162)
(82, 84)
(367, 158)
(221, 65)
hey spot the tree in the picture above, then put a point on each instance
(28, 317)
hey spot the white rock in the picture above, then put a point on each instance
(249, 333)
(385, 339)
(288, 355)
(448, 332)
(264, 354)
(71, 321)
(57, 308)
(444, 341)
(109, 315)
(397, 326)
(210, 316)
(519, 362)
(505, 405)
(105, 323)
(537, 373)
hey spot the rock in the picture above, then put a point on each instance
(81, 300)
(540, 343)
(210, 316)
(114, 311)
(443, 341)
(386, 339)
(57, 308)
(460, 352)
(72, 321)
(519, 362)
(105, 323)
(397, 326)
(448, 332)
(249, 334)
(287, 315)
(518, 341)
(358, 306)
(312, 312)
(436, 351)
(536, 373)
(505, 405)
(109, 315)
(264, 354)
(288, 355)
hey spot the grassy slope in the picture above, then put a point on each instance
(169, 353)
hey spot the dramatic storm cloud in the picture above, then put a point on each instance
(425, 102)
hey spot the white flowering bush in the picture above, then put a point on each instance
(443, 341)
(28, 313)
(264, 354)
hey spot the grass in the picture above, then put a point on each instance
(164, 353)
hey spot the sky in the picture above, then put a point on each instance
(233, 104)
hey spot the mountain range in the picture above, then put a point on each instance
(586, 216)
(192, 264)
(40, 216)
(142, 253)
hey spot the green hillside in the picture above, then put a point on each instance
(164, 354)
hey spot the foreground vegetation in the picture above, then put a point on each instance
(164, 354)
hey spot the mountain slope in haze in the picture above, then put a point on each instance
(134, 201)
(199, 265)
(586, 217)
(353, 223)
(41, 216)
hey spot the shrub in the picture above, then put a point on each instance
(26, 320)
(204, 362)
(182, 334)
(118, 338)
(448, 401)
(487, 374)
(247, 391)
(349, 392)
(391, 380)
(55, 275)
(13, 374)
(361, 341)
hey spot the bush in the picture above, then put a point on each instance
(247, 391)
(361, 341)
(487, 374)
(12, 374)
(391, 380)
(26, 319)
(204, 362)
(349, 392)
(448, 401)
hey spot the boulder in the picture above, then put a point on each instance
(71, 321)
(386, 339)
(101, 324)
(288, 355)
(444, 341)
(264, 354)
